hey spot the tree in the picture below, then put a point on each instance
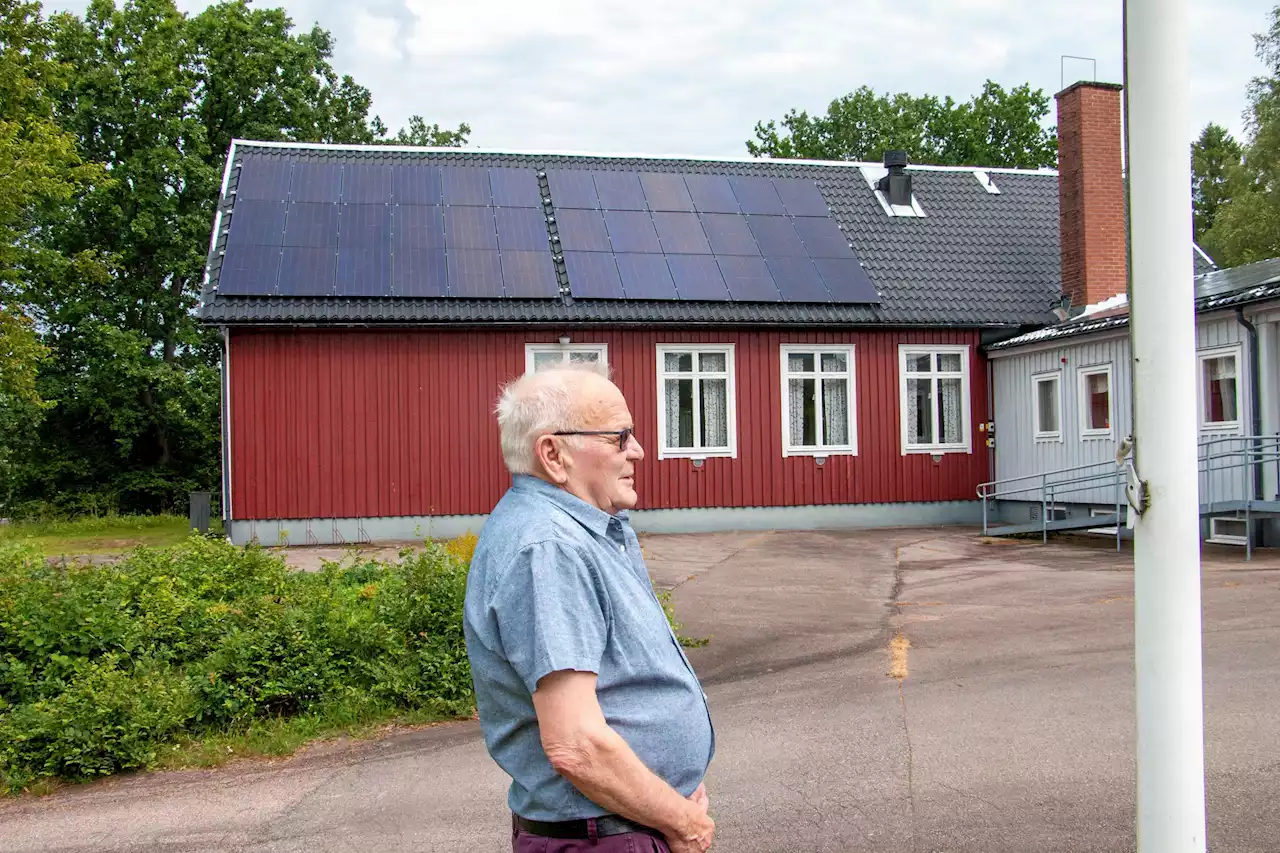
(1212, 155)
(156, 97)
(431, 135)
(994, 128)
(1246, 225)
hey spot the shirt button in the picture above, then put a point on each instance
(622, 549)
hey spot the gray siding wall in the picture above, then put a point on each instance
(1019, 453)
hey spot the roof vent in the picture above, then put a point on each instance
(896, 185)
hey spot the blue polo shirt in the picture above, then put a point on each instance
(558, 584)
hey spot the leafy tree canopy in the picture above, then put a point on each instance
(1212, 155)
(995, 128)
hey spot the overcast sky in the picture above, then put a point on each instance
(693, 76)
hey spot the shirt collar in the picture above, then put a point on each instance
(591, 517)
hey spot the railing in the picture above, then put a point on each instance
(1215, 456)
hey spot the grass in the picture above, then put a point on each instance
(110, 534)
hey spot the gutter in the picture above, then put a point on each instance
(1255, 395)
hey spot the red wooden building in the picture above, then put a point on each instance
(800, 342)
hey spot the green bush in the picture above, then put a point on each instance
(100, 665)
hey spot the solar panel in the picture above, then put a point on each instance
(748, 279)
(711, 194)
(311, 224)
(822, 237)
(776, 237)
(257, 223)
(571, 188)
(249, 270)
(474, 273)
(619, 191)
(697, 277)
(582, 231)
(417, 226)
(681, 234)
(367, 226)
(646, 277)
(467, 185)
(363, 272)
(416, 185)
(797, 279)
(631, 231)
(522, 229)
(307, 271)
(664, 191)
(419, 272)
(729, 234)
(515, 188)
(316, 182)
(263, 178)
(364, 183)
(594, 275)
(846, 280)
(469, 228)
(801, 197)
(529, 274)
(756, 195)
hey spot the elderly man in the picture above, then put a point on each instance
(585, 698)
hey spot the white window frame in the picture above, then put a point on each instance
(731, 403)
(966, 390)
(1227, 538)
(1036, 380)
(532, 350)
(1082, 398)
(1218, 427)
(820, 449)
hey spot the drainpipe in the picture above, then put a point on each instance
(1255, 399)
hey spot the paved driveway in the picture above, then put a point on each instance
(1011, 728)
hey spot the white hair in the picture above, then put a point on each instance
(537, 404)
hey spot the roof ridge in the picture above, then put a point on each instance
(701, 158)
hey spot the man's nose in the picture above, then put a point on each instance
(634, 449)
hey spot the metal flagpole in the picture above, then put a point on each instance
(1164, 481)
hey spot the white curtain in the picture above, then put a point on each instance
(674, 415)
(795, 410)
(835, 411)
(950, 423)
(1220, 387)
(919, 411)
(715, 413)
(1048, 403)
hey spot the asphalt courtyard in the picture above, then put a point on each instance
(909, 690)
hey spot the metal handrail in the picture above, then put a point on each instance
(1251, 451)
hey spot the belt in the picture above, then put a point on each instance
(605, 825)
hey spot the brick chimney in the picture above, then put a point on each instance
(1091, 192)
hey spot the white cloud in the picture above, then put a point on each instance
(694, 76)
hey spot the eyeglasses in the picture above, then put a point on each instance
(624, 435)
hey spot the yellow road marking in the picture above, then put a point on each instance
(898, 657)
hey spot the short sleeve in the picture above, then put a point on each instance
(552, 613)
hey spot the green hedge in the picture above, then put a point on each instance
(101, 665)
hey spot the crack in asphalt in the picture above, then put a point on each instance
(895, 609)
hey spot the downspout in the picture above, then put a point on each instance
(1255, 399)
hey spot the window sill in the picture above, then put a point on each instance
(818, 451)
(686, 453)
(948, 448)
(1097, 436)
(1050, 437)
(1226, 427)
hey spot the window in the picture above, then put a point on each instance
(1228, 531)
(696, 416)
(934, 395)
(1219, 390)
(541, 356)
(817, 401)
(1048, 406)
(1095, 402)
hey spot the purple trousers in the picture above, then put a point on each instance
(631, 842)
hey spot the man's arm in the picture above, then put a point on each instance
(583, 749)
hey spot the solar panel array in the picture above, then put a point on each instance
(304, 228)
(637, 235)
(301, 228)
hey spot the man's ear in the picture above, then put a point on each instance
(551, 454)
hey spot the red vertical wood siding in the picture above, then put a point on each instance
(355, 423)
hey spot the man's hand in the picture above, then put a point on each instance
(701, 831)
